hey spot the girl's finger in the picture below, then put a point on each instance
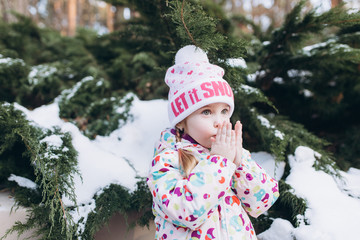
(223, 132)
(218, 133)
(228, 132)
(238, 128)
(233, 138)
(238, 132)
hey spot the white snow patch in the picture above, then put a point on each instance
(280, 229)
(53, 140)
(252, 77)
(264, 121)
(331, 213)
(23, 182)
(135, 141)
(236, 62)
(10, 61)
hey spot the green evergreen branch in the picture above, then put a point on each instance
(53, 170)
(191, 19)
(294, 31)
(183, 21)
(61, 203)
(290, 202)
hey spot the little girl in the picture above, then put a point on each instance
(204, 184)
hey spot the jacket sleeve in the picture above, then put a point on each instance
(188, 202)
(254, 187)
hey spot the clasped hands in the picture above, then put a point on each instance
(228, 142)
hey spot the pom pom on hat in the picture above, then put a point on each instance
(195, 83)
(190, 52)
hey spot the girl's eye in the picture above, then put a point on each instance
(225, 111)
(206, 112)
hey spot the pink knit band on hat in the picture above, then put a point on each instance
(197, 96)
(195, 83)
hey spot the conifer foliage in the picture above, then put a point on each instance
(46, 157)
(101, 116)
(310, 70)
(94, 80)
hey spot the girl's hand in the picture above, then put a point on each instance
(239, 147)
(224, 144)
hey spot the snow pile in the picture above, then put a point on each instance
(112, 159)
(351, 185)
(331, 214)
(135, 140)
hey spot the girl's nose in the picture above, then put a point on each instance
(217, 122)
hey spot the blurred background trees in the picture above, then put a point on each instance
(66, 15)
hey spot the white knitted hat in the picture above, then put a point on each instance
(195, 83)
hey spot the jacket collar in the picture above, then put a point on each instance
(168, 141)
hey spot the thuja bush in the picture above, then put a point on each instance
(309, 68)
(49, 160)
(38, 63)
(22, 39)
(33, 86)
(14, 153)
(106, 115)
(13, 78)
(45, 83)
(92, 106)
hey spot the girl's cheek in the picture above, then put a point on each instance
(226, 118)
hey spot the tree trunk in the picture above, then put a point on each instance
(71, 17)
(233, 6)
(334, 3)
(4, 15)
(57, 16)
(109, 17)
(19, 6)
(81, 13)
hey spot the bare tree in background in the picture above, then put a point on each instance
(109, 17)
(6, 6)
(334, 3)
(71, 17)
(260, 14)
(58, 15)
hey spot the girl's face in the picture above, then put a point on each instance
(202, 124)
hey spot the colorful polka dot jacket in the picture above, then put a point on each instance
(216, 198)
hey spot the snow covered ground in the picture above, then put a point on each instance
(7, 219)
(334, 206)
